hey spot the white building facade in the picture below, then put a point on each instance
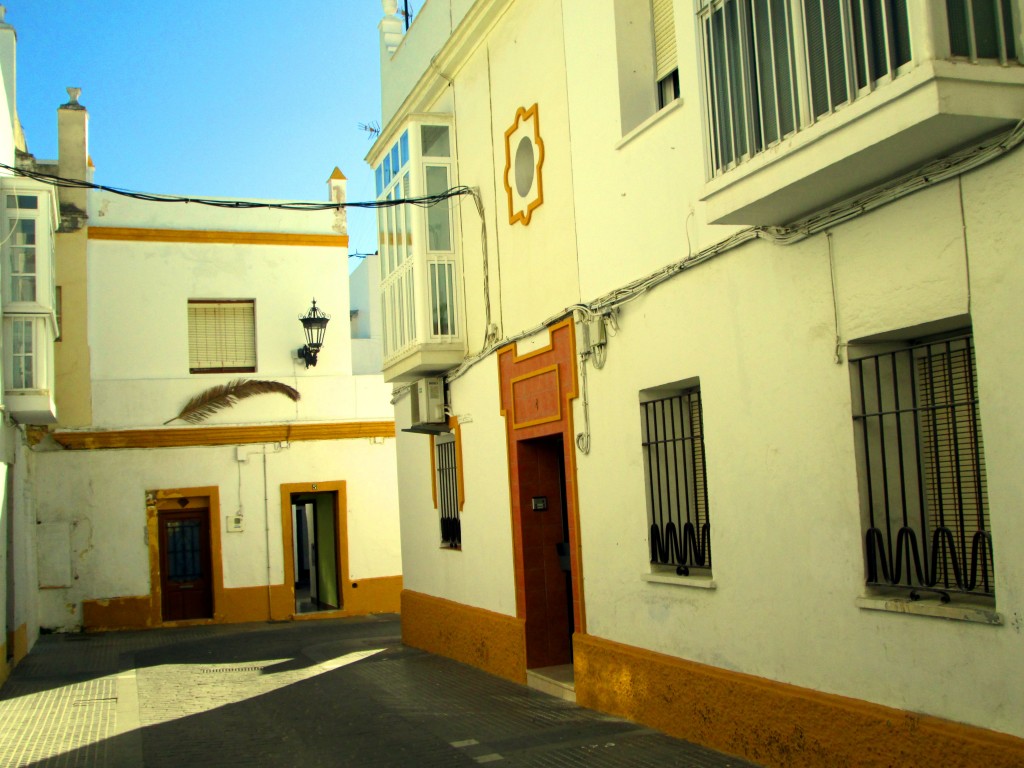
(210, 463)
(708, 361)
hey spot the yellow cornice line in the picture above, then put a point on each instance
(181, 437)
(142, 234)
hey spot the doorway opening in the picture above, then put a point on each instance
(186, 575)
(316, 553)
(546, 553)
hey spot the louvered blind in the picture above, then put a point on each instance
(664, 37)
(221, 336)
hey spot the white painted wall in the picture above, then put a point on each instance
(757, 326)
(101, 495)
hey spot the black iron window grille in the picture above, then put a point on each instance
(921, 462)
(446, 471)
(677, 501)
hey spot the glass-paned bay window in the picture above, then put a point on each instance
(418, 251)
(29, 219)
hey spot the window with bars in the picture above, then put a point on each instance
(672, 427)
(772, 67)
(221, 336)
(448, 488)
(921, 462)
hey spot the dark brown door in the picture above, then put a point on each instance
(185, 565)
(547, 561)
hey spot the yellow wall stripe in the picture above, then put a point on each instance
(140, 234)
(195, 436)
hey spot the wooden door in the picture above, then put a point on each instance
(185, 583)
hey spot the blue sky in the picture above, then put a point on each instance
(228, 98)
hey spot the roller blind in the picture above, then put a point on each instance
(664, 37)
(221, 336)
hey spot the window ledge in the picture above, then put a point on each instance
(930, 607)
(699, 582)
(657, 117)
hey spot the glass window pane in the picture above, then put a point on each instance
(434, 139)
(396, 164)
(403, 151)
(439, 236)
(23, 201)
(380, 179)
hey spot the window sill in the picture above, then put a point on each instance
(698, 582)
(657, 117)
(930, 607)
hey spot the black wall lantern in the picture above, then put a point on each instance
(314, 325)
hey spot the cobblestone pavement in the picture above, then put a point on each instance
(314, 693)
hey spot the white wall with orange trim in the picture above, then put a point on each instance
(757, 326)
(481, 574)
(101, 496)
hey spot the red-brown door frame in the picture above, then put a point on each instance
(537, 390)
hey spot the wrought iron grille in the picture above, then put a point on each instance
(922, 469)
(677, 502)
(446, 469)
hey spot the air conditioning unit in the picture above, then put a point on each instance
(428, 406)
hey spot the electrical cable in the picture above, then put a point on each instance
(426, 201)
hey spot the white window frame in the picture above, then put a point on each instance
(420, 267)
(734, 87)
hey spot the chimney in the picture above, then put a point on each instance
(73, 149)
(337, 186)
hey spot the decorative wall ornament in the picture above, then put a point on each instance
(524, 158)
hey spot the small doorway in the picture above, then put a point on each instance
(186, 586)
(316, 558)
(547, 559)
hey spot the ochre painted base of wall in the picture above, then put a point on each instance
(240, 605)
(5, 668)
(17, 641)
(490, 641)
(772, 723)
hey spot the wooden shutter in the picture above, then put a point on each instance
(221, 336)
(664, 37)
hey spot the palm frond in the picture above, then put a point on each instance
(214, 399)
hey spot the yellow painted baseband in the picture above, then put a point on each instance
(490, 641)
(17, 641)
(770, 723)
(239, 605)
(180, 437)
(5, 668)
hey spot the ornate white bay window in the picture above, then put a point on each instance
(29, 216)
(419, 260)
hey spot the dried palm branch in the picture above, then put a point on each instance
(214, 399)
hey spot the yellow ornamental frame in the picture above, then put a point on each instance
(521, 207)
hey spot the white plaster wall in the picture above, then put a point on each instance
(757, 326)
(481, 573)
(139, 294)
(102, 495)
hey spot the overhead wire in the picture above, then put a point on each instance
(425, 201)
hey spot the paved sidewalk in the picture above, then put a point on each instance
(315, 693)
